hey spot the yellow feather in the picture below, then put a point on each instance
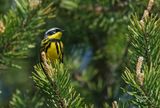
(51, 51)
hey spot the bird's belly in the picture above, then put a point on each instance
(52, 52)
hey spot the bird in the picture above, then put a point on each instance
(52, 44)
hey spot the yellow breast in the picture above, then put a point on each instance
(55, 51)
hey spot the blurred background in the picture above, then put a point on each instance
(95, 43)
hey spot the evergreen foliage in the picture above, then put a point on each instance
(144, 84)
(59, 93)
(21, 100)
(145, 40)
(25, 16)
(98, 27)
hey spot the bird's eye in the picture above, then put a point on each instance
(51, 33)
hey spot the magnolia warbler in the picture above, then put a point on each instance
(52, 44)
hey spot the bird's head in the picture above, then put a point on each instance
(53, 33)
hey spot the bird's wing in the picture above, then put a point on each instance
(44, 43)
(62, 51)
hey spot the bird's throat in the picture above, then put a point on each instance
(58, 35)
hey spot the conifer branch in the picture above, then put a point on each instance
(145, 39)
(55, 85)
(48, 71)
(146, 13)
(19, 27)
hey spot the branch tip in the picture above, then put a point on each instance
(150, 5)
(146, 12)
(139, 74)
(114, 104)
(2, 27)
(139, 65)
(47, 67)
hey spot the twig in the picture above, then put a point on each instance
(146, 12)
